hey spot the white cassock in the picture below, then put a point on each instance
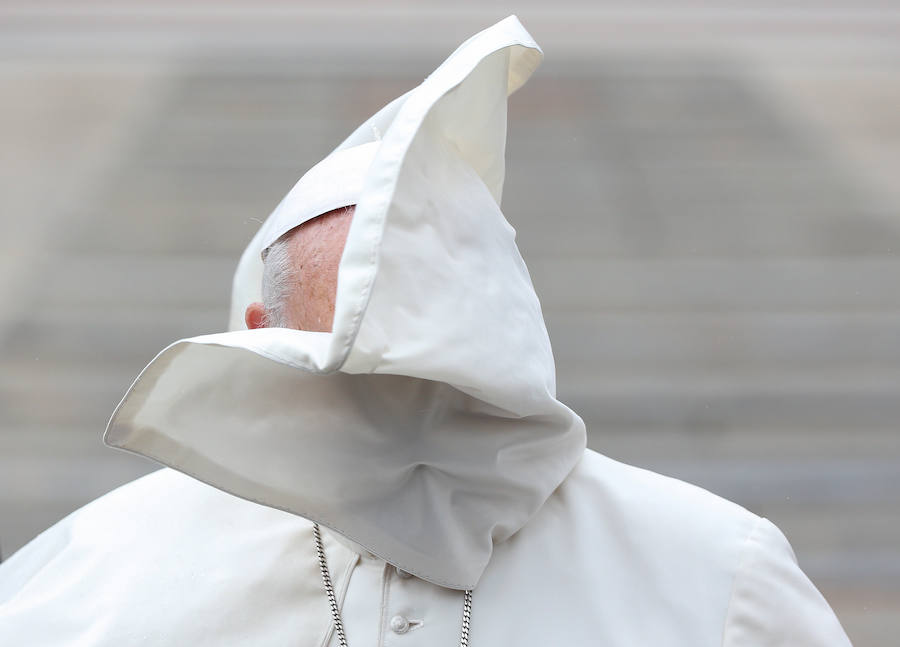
(424, 436)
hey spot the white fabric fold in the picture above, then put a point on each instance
(335, 182)
(425, 427)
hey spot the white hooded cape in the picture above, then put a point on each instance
(424, 429)
(434, 397)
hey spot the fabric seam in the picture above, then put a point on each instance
(742, 563)
(385, 602)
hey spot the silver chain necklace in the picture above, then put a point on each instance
(336, 612)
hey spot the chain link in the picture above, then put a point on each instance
(467, 615)
(329, 589)
(336, 612)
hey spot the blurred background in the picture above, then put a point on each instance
(706, 195)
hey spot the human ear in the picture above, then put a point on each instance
(255, 316)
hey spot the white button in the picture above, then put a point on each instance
(403, 575)
(399, 625)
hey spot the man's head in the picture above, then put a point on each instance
(300, 277)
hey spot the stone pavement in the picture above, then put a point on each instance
(715, 239)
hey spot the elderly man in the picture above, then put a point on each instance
(379, 458)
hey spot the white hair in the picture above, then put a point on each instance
(279, 275)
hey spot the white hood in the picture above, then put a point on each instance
(425, 427)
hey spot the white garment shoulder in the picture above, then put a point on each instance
(773, 602)
(653, 560)
(168, 560)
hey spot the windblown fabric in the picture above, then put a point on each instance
(434, 396)
(423, 433)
